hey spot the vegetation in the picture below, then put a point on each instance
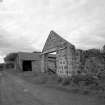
(91, 77)
(10, 57)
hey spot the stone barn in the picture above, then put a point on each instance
(65, 55)
(28, 61)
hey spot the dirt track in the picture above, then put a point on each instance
(15, 91)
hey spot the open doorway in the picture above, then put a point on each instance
(52, 62)
(27, 65)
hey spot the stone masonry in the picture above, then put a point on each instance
(65, 55)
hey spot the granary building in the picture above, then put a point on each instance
(28, 61)
(65, 55)
(23, 61)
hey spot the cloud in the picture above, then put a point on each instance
(25, 24)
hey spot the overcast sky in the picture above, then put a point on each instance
(25, 24)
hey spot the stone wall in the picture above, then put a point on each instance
(36, 66)
(33, 57)
(79, 60)
(61, 62)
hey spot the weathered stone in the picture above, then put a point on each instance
(65, 55)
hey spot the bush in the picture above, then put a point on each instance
(84, 79)
(85, 92)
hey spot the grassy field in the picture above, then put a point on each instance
(52, 81)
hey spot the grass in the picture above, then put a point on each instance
(52, 81)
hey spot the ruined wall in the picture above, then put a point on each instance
(29, 56)
(66, 61)
(61, 62)
(71, 60)
(44, 62)
(36, 66)
(78, 60)
(89, 61)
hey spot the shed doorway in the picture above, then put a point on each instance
(27, 65)
(51, 64)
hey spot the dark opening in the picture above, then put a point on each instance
(27, 66)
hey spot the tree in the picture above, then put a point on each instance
(104, 48)
(10, 57)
